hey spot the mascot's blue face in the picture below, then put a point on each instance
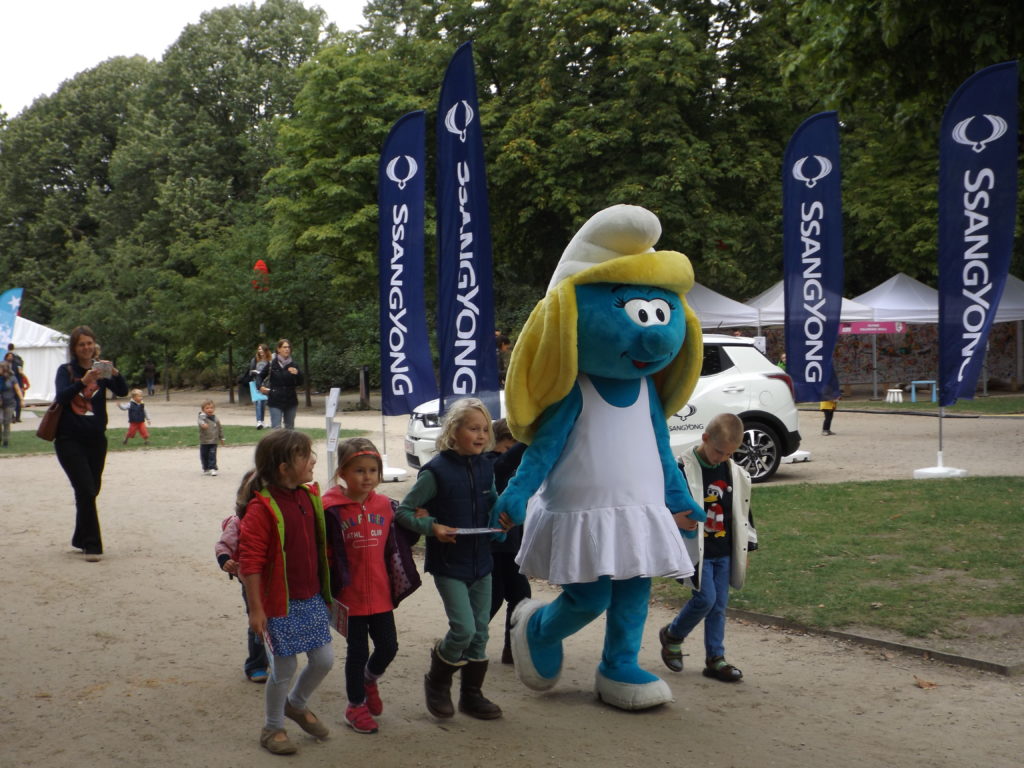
(627, 331)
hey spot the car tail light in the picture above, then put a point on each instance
(784, 377)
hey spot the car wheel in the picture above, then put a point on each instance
(761, 452)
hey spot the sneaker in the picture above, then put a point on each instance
(259, 425)
(358, 717)
(206, 471)
(373, 702)
(213, 472)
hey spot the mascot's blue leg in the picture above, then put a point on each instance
(538, 629)
(620, 680)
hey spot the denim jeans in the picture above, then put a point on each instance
(260, 408)
(707, 603)
(286, 414)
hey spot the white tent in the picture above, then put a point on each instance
(902, 298)
(44, 350)
(1011, 306)
(717, 311)
(771, 307)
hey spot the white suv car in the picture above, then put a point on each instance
(735, 377)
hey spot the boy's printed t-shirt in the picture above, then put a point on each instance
(718, 505)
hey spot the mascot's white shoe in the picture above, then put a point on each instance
(632, 695)
(527, 672)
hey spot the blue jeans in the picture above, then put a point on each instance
(707, 603)
(260, 406)
(286, 414)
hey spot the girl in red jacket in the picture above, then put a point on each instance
(371, 571)
(282, 548)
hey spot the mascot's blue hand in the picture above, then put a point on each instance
(513, 504)
(696, 513)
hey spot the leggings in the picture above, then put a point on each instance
(380, 627)
(282, 670)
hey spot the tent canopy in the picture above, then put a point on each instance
(717, 311)
(44, 350)
(903, 298)
(1011, 306)
(771, 307)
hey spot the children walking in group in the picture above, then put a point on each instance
(138, 418)
(363, 538)
(226, 552)
(211, 432)
(721, 551)
(283, 564)
(457, 489)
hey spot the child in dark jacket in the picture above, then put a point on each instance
(363, 541)
(457, 489)
(137, 417)
(226, 551)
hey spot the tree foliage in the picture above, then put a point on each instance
(138, 196)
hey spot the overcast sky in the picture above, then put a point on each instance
(45, 42)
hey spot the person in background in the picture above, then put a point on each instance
(81, 442)
(18, 368)
(149, 373)
(137, 417)
(211, 432)
(257, 372)
(279, 384)
(10, 397)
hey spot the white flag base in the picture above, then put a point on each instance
(392, 474)
(929, 473)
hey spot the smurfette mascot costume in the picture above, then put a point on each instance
(606, 356)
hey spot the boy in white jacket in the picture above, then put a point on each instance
(720, 552)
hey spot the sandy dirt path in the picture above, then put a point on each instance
(136, 661)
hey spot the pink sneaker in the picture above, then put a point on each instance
(358, 717)
(373, 702)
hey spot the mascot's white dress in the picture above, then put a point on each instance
(605, 357)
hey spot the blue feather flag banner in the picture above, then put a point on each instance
(465, 298)
(977, 210)
(407, 371)
(812, 244)
(10, 306)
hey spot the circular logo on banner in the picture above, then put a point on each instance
(411, 169)
(452, 115)
(996, 123)
(824, 169)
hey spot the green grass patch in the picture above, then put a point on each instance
(917, 557)
(22, 443)
(994, 406)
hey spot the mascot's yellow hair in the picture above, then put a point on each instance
(544, 362)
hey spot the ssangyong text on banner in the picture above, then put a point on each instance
(812, 243)
(10, 304)
(407, 372)
(465, 301)
(977, 208)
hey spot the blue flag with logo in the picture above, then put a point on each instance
(465, 300)
(977, 209)
(812, 245)
(406, 369)
(10, 304)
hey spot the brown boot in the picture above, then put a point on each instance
(472, 701)
(438, 686)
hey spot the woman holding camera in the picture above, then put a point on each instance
(81, 441)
